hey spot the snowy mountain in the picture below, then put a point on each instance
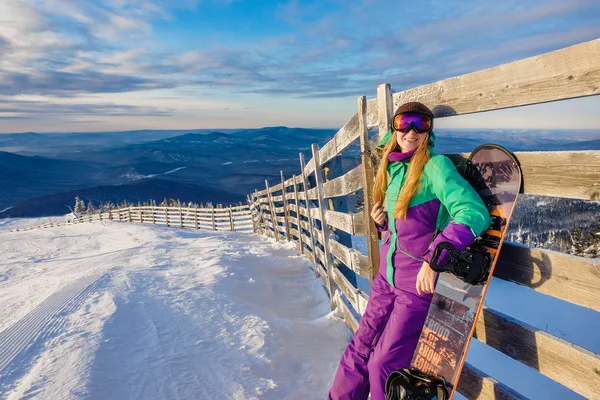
(209, 166)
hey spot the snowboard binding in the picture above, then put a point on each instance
(411, 384)
(471, 266)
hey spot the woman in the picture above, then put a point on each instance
(424, 195)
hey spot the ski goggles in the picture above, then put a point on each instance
(421, 123)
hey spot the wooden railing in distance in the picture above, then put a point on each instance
(236, 218)
(298, 209)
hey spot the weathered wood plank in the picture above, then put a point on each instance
(562, 74)
(302, 211)
(566, 363)
(310, 167)
(289, 182)
(476, 385)
(570, 278)
(307, 241)
(290, 196)
(294, 206)
(573, 174)
(272, 208)
(311, 242)
(294, 232)
(319, 178)
(352, 258)
(384, 108)
(277, 198)
(275, 188)
(305, 225)
(346, 184)
(340, 141)
(351, 223)
(346, 287)
(312, 194)
(362, 300)
(372, 113)
(368, 173)
(348, 317)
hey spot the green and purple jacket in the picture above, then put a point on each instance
(444, 202)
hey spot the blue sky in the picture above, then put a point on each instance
(71, 65)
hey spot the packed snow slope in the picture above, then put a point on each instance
(128, 311)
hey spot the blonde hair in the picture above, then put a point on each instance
(413, 178)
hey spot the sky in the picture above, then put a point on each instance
(100, 65)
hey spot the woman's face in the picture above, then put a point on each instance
(410, 140)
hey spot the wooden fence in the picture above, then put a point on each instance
(236, 218)
(303, 209)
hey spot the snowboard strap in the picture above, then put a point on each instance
(411, 384)
(471, 266)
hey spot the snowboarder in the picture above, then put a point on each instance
(424, 195)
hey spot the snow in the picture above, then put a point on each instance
(136, 177)
(130, 311)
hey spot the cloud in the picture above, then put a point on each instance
(312, 49)
(72, 83)
(42, 110)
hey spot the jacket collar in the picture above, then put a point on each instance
(397, 156)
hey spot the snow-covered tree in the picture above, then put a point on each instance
(79, 206)
(90, 208)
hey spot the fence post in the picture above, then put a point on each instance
(384, 108)
(231, 219)
(252, 209)
(324, 227)
(286, 211)
(141, 208)
(272, 207)
(309, 217)
(298, 226)
(214, 221)
(260, 227)
(196, 217)
(368, 175)
(180, 217)
(129, 213)
(167, 215)
(153, 211)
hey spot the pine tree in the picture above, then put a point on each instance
(79, 206)
(90, 208)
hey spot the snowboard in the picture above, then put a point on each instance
(496, 176)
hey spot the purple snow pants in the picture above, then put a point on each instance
(385, 341)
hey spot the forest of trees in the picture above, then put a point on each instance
(81, 208)
(566, 225)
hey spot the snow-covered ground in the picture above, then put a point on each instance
(128, 311)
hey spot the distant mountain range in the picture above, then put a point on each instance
(40, 174)
(221, 167)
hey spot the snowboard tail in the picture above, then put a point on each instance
(496, 175)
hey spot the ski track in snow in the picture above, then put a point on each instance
(130, 311)
(45, 319)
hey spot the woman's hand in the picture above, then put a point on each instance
(426, 279)
(378, 214)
